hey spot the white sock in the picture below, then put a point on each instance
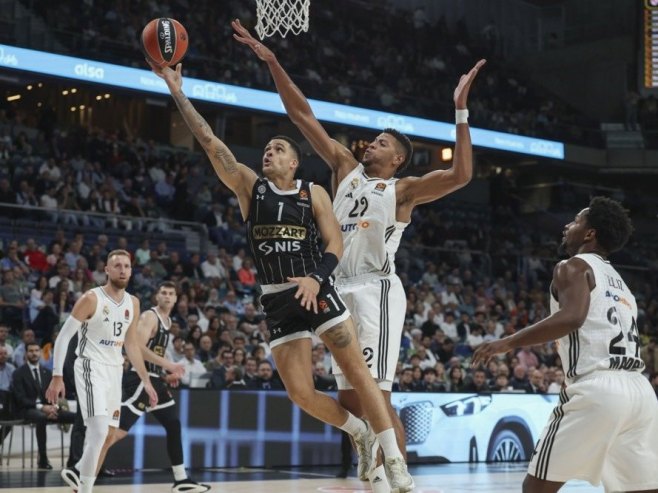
(353, 425)
(86, 484)
(179, 472)
(378, 481)
(389, 444)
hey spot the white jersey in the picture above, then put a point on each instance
(609, 338)
(101, 336)
(365, 208)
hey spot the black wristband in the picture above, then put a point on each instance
(325, 268)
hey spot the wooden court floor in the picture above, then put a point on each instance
(446, 478)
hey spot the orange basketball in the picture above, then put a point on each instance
(164, 41)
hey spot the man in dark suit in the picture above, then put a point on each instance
(29, 384)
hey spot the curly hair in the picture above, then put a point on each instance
(611, 222)
(406, 145)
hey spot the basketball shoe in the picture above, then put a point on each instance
(398, 476)
(189, 486)
(71, 476)
(367, 446)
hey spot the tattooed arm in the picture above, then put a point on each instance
(236, 176)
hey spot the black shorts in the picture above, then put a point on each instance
(135, 400)
(288, 320)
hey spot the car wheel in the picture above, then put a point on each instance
(506, 446)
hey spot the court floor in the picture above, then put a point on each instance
(445, 478)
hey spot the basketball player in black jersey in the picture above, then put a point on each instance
(153, 331)
(285, 218)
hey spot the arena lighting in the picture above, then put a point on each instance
(65, 92)
(92, 71)
(15, 97)
(29, 87)
(446, 154)
(73, 108)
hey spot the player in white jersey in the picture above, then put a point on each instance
(605, 428)
(105, 319)
(373, 208)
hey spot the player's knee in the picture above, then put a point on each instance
(301, 396)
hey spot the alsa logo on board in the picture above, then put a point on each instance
(89, 71)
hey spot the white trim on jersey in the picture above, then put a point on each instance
(278, 191)
(118, 304)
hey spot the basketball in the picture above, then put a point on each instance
(164, 41)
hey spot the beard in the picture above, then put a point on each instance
(562, 250)
(118, 283)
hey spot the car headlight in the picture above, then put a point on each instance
(467, 406)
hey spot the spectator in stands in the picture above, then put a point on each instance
(556, 385)
(205, 352)
(11, 261)
(234, 379)
(156, 266)
(406, 381)
(321, 379)
(177, 351)
(6, 370)
(537, 383)
(250, 370)
(12, 301)
(29, 383)
(34, 258)
(193, 367)
(520, 379)
(456, 379)
(247, 276)
(266, 379)
(527, 357)
(477, 382)
(143, 253)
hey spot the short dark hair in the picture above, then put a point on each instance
(404, 141)
(293, 143)
(167, 284)
(611, 221)
(27, 346)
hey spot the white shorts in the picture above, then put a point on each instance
(99, 389)
(378, 305)
(605, 429)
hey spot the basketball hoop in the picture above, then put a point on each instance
(281, 16)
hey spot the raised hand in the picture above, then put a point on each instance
(465, 81)
(243, 36)
(173, 78)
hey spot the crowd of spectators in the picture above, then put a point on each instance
(389, 75)
(489, 277)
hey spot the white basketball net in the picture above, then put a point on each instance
(281, 16)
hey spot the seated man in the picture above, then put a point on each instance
(29, 384)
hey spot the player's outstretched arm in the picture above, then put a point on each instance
(83, 309)
(133, 350)
(439, 183)
(573, 280)
(338, 157)
(148, 322)
(236, 176)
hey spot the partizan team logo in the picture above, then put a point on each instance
(355, 183)
(262, 189)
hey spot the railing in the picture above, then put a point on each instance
(195, 234)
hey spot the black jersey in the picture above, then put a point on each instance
(158, 344)
(282, 232)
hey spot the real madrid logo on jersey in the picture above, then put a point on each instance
(106, 313)
(355, 183)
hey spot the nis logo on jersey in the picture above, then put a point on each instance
(289, 238)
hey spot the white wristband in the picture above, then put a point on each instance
(461, 116)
